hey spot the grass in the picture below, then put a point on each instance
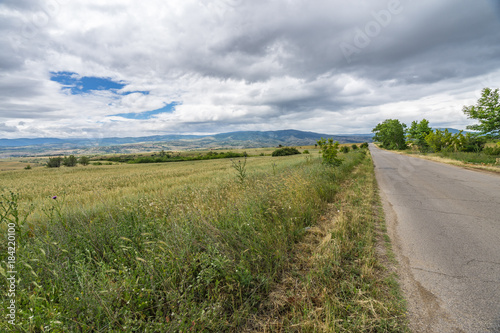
(158, 247)
(336, 283)
(194, 246)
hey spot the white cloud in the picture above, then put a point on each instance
(243, 65)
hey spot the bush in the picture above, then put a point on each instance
(28, 167)
(354, 147)
(305, 152)
(69, 161)
(492, 151)
(329, 150)
(285, 151)
(84, 160)
(344, 149)
(364, 145)
(54, 162)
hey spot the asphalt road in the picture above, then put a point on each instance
(444, 222)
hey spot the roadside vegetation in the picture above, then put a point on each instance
(481, 147)
(197, 245)
(188, 246)
(335, 281)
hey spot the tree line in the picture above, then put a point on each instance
(392, 134)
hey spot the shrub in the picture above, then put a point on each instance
(344, 149)
(69, 161)
(492, 151)
(329, 150)
(84, 160)
(285, 151)
(54, 162)
(364, 145)
(305, 152)
(354, 147)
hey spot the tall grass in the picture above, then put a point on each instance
(336, 282)
(152, 249)
(473, 158)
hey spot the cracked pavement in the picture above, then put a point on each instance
(444, 222)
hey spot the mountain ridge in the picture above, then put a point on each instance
(237, 135)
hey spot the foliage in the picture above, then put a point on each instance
(417, 133)
(305, 151)
(391, 134)
(469, 142)
(344, 149)
(28, 167)
(440, 140)
(178, 158)
(285, 151)
(329, 151)
(70, 161)
(487, 111)
(354, 146)
(492, 151)
(54, 162)
(445, 141)
(84, 160)
(364, 145)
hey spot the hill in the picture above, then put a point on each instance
(242, 139)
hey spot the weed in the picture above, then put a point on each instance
(241, 169)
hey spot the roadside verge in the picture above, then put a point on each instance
(343, 277)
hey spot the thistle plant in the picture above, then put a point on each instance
(241, 169)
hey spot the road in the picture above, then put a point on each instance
(444, 222)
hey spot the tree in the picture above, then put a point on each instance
(441, 140)
(84, 160)
(54, 162)
(487, 111)
(391, 134)
(69, 161)
(417, 133)
(329, 150)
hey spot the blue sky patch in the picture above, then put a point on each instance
(79, 85)
(168, 108)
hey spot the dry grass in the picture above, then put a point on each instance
(336, 282)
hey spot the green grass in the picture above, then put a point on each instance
(473, 158)
(147, 248)
(337, 282)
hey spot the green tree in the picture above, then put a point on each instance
(285, 151)
(391, 134)
(329, 150)
(69, 161)
(441, 140)
(417, 133)
(487, 111)
(54, 162)
(84, 160)
(470, 142)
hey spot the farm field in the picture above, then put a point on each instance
(195, 245)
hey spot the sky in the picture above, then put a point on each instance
(119, 68)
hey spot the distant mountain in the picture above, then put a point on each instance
(451, 130)
(242, 139)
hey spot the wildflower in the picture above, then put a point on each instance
(54, 197)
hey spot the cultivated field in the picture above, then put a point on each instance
(161, 247)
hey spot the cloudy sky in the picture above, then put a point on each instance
(94, 68)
